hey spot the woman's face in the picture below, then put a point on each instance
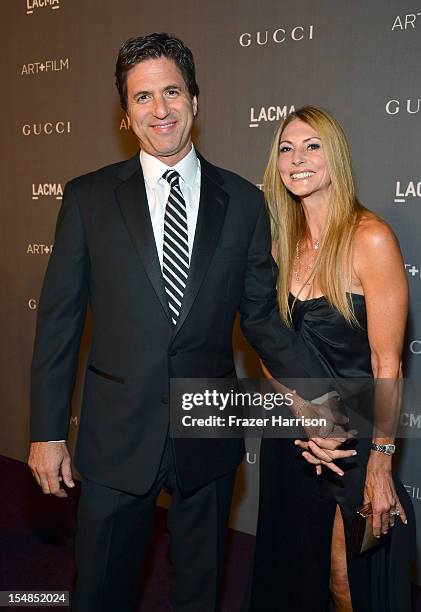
(302, 163)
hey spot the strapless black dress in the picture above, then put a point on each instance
(297, 507)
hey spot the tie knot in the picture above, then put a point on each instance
(172, 176)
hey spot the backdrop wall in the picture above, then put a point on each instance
(255, 62)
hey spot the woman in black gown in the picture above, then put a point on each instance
(342, 285)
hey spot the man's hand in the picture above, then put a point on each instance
(327, 408)
(332, 421)
(50, 464)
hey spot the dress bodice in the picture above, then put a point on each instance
(342, 348)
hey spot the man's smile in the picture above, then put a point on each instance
(164, 126)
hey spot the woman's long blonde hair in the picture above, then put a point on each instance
(288, 222)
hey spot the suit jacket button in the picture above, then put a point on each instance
(164, 399)
(173, 353)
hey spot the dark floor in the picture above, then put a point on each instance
(36, 546)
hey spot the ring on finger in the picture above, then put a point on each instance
(395, 513)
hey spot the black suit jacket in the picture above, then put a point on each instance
(105, 255)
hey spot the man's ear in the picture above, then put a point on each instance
(194, 102)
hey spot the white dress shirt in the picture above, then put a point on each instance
(158, 189)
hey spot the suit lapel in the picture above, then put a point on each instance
(211, 215)
(131, 195)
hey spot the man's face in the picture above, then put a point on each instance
(160, 110)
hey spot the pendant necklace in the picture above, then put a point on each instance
(308, 267)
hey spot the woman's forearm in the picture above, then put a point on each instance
(387, 406)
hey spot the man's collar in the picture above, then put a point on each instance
(153, 168)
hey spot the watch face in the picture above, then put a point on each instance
(388, 448)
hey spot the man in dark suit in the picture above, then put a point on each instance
(165, 248)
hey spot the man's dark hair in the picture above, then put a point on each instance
(154, 46)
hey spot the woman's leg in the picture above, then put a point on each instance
(339, 585)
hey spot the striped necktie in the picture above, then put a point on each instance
(175, 261)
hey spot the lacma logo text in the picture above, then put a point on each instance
(269, 113)
(32, 5)
(47, 190)
(411, 189)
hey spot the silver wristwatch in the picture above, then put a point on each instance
(388, 449)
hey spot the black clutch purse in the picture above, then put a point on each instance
(362, 538)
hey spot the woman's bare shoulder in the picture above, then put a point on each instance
(373, 235)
